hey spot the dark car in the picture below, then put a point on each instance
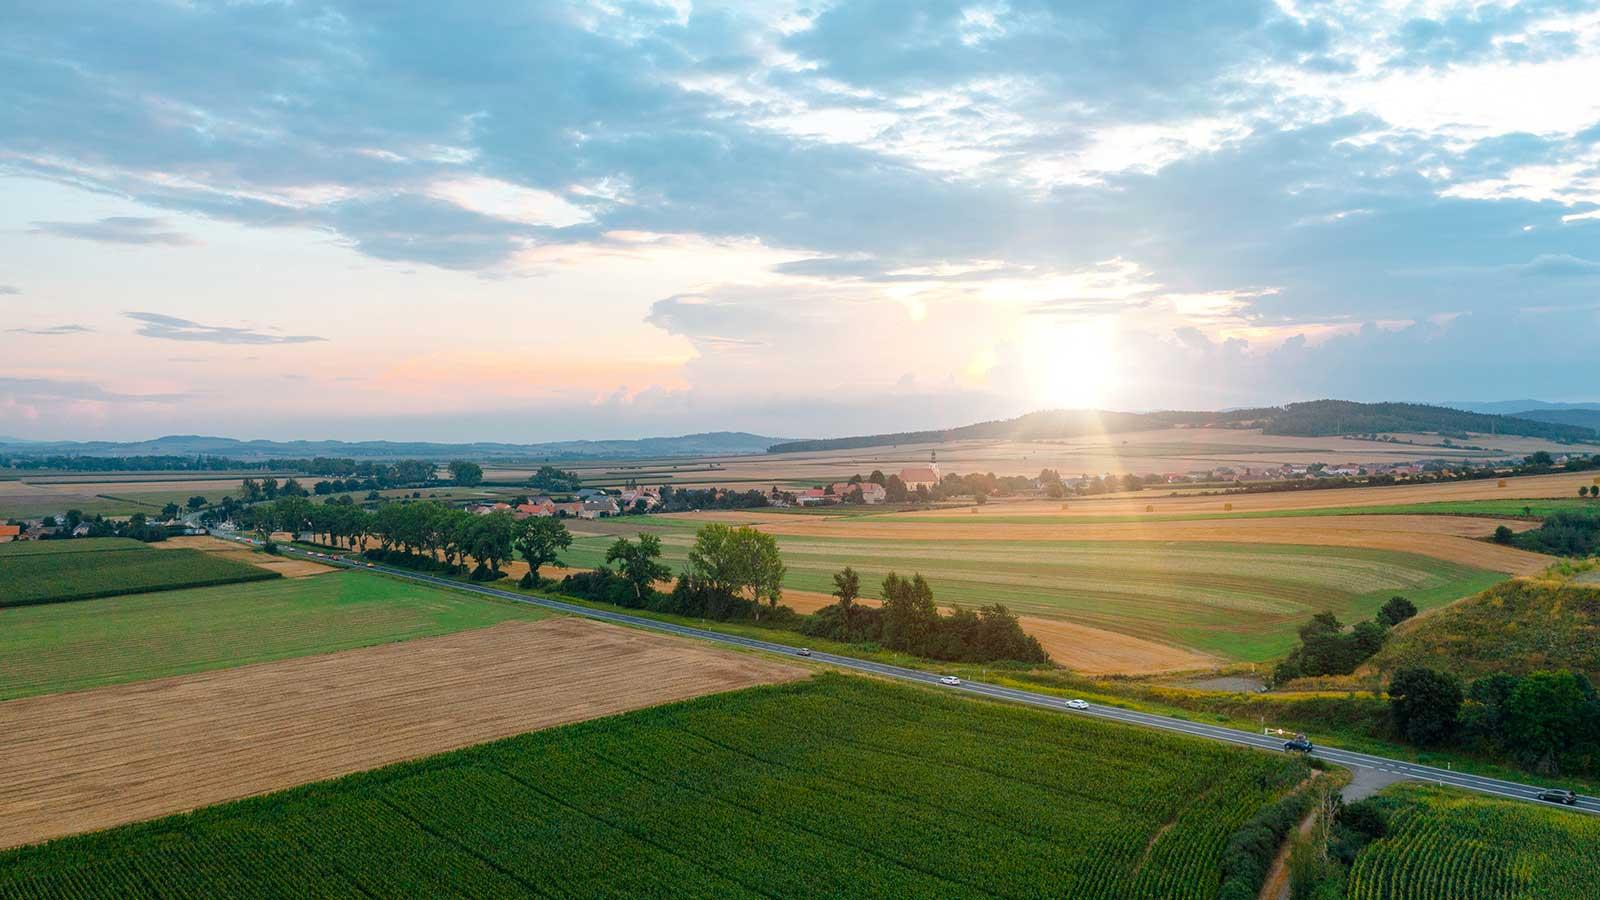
(1556, 795)
(1300, 743)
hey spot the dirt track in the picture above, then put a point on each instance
(1452, 538)
(92, 759)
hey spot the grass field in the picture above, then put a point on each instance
(71, 646)
(1238, 601)
(1443, 843)
(831, 787)
(53, 571)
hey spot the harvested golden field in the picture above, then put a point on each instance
(1093, 651)
(1450, 538)
(92, 759)
(285, 566)
(1139, 452)
(1529, 487)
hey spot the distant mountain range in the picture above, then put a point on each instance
(716, 443)
(1312, 419)
(1514, 407)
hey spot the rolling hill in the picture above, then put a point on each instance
(716, 443)
(1311, 419)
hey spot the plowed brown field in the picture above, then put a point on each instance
(92, 759)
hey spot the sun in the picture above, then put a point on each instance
(1072, 365)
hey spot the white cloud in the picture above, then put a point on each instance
(511, 202)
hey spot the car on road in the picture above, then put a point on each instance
(1557, 795)
(804, 651)
(1077, 704)
(949, 679)
(1300, 744)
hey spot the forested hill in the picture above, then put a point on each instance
(718, 443)
(1311, 419)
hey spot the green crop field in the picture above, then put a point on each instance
(1451, 845)
(837, 786)
(1240, 601)
(77, 545)
(71, 646)
(109, 570)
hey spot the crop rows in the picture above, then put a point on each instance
(835, 786)
(52, 577)
(1447, 846)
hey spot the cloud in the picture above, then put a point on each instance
(53, 330)
(9, 290)
(67, 389)
(172, 328)
(1559, 265)
(117, 230)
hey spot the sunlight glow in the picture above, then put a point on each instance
(1072, 365)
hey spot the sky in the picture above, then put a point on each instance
(552, 220)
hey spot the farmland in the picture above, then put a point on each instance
(84, 569)
(72, 646)
(93, 759)
(826, 787)
(1141, 452)
(118, 494)
(1446, 844)
(1239, 601)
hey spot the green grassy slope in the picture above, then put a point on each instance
(837, 786)
(71, 646)
(1240, 601)
(1518, 627)
(1443, 843)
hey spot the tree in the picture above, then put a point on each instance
(894, 490)
(490, 539)
(1546, 716)
(1425, 704)
(196, 502)
(1396, 610)
(638, 563)
(878, 478)
(910, 617)
(734, 562)
(1503, 535)
(466, 474)
(169, 512)
(540, 540)
(847, 587)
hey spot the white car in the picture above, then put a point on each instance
(1077, 704)
(949, 679)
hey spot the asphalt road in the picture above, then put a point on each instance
(1508, 789)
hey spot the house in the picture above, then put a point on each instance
(537, 507)
(83, 531)
(870, 493)
(921, 476)
(813, 497)
(570, 509)
(9, 533)
(598, 507)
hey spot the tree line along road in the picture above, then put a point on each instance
(1510, 790)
